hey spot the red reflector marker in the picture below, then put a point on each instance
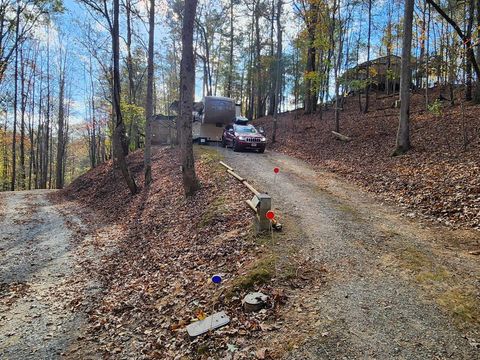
(270, 215)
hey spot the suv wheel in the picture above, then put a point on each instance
(235, 146)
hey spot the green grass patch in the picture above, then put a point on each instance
(262, 239)
(463, 303)
(261, 272)
(349, 210)
(207, 154)
(287, 270)
(414, 260)
(211, 157)
(203, 349)
(433, 276)
(425, 269)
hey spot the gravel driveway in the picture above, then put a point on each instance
(395, 286)
(35, 261)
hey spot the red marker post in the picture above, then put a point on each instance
(276, 170)
(270, 215)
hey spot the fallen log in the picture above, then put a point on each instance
(341, 136)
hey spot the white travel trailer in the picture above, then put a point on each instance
(217, 112)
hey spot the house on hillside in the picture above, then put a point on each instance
(384, 74)
(163, 130)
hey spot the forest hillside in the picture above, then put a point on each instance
(439, 178)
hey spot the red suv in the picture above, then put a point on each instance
(243, 137)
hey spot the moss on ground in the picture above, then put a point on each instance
(208, 154)
(414, 260)
(261, 272)
(349, 210)
(436, 275)
(215, 210)
(462, 303)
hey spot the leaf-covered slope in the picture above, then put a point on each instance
(159, 250)
(438, 178)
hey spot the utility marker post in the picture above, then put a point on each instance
(264, 205)
(276, 170)
(270, 216)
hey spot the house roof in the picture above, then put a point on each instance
(380, 61)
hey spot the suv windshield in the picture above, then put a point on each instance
(245, 129)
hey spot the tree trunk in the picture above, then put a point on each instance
(50, 155)
(31, 122)
(421, 59)
(251, 76)
(258, 89)
(360, 106)
(46, 126)
(337, 70)
(14, 134)
(93, 141)
(427, 58)
(367, 89)
(310, 87)
(273, 66)
(478, 27)
(187, 88)
(469, 80)
(403, 135)
(5, 184)
(23, 105)
(59, 176)
(119, 129)
(230, 55)
(278, 71)
(131, 84)
(149, 102)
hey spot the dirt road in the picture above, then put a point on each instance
(395, 288)
(35, 262)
